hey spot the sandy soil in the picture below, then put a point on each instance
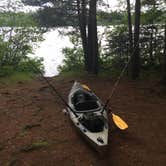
(35, 132)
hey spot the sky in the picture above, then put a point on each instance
(113, 5)
(20, 6)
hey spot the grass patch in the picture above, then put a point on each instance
(16, 77)
(84, 74)
(22, 134)
(37, 112)
(113, 74)
(1, 147)
(30, 126)
(73, 73)
(34, 146)
(27, 128)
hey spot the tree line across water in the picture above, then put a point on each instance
(138, 35)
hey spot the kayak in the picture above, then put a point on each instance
(87, 114)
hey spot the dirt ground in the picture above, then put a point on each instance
(35, 132)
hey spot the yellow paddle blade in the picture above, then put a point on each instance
(121, 124)
(86, 87)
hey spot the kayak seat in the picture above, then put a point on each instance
(84, 101)
(92, 122)
(86, 105)
(81, 96)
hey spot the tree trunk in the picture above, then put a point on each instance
(151, 47)
(135, 61)
(164, 55)
(92, 38)
(81, 8)
(130, 27)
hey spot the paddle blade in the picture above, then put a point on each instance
(121, 124)
(86, 87)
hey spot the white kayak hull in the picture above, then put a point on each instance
(97, 137)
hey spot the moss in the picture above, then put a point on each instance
(30, 126)
(37, 112)
(1, 147)
(22, 134)
(34, 146)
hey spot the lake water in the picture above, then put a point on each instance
(51, 49)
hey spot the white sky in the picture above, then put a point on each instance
(113, 5)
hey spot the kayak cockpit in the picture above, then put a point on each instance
(83, 101)
(93, 122)
(87, 105)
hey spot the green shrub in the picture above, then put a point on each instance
(6, 71)
(31, 65)
(73, 60)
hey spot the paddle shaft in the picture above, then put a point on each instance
(55, 90)
(119, 78)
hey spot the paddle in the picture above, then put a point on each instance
(86, 87)
(119, 122)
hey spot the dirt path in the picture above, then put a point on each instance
(35, 132)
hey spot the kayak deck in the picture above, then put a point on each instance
(91, 120)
